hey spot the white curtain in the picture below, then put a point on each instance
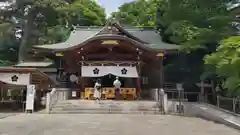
(99, 71)
(15, 78)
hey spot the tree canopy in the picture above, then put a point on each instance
(31, 22)
(198, 26)
(226, 63)
(191, 23)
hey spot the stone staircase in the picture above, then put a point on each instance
(106, 107)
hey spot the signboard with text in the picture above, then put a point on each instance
(110, 42)
(31, 90)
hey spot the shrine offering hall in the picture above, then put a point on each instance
(135, 55)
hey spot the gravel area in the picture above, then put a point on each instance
(104, 124)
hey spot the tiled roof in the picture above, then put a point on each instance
(80, 35)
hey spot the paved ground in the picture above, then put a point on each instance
(4, 115)
(76, 124)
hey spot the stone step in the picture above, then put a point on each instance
(104, 112)
(106, 107)
(99, 109)
(103, 106)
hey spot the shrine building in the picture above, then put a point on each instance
(135, 55)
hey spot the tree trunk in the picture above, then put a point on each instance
(26, 32)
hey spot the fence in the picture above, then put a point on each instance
(189, 96)
(230, 104)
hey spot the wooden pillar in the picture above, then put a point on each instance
(139, 80)
(161, 57)
(81, 81)
(139, 74)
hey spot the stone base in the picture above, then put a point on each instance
(107, 106)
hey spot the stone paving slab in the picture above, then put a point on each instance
(103, 124)
(4, 115)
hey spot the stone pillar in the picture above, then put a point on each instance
(165, 103)
(48, 103)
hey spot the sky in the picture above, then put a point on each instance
(111, 5)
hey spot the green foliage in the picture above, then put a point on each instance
(197, 25)
(190, 23)
(84, 12)
(226, 62)
(137, 13)
(44, 21)
(54, 34)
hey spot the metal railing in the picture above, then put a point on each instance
(230, 104)
(174, 95)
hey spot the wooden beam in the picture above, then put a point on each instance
(111, 56)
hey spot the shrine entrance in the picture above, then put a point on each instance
(133, 54)
(107, 75)
(107, 80)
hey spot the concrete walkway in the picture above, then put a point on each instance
(103, 124)
(228, 117)
(4, 115)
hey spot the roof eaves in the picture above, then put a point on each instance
(127, 33)
(51, 46)
(233, 7)
(165, 47)
(34, 64)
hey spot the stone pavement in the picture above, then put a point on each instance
(114, 124)
(4, 115)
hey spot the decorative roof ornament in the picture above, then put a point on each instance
(14, 78)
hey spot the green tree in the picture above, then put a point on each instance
(191, 23)
(84, 13)
(226, 63)
(44, 21)
(137, 13)
(26, 14)
(198, 26)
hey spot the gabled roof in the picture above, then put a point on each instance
(27, 70)
(148, 38)
(234, 7)
(76, 37)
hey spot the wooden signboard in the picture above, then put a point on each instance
(110, 42)
(59, 54)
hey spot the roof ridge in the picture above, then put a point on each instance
(125, 27)
(88, 27)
